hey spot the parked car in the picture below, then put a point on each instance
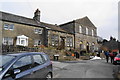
(117, 59)
(25, 65)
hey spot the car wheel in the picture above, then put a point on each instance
(49, 76)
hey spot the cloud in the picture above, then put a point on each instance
(103, 13)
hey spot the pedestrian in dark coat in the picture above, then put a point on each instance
(77, 54)
(107, 55)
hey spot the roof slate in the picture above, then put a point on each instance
(28, 21)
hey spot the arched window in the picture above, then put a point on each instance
(86, 31)
(92, 32)
(80, 29)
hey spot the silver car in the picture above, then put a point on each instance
(25, 65)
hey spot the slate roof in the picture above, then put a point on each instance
(28, 21)
(53, 27)
(85, 21)
(17, 19)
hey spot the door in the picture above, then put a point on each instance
(21, 68)
(62, 43)
(38, 67)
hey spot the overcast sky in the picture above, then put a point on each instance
(102, 13)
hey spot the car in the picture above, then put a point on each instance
(20, 66)
(117, 59)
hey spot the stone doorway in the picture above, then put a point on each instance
(62, 42)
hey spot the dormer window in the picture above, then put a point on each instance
(38, 31)
(8, 26)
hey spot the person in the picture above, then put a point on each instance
(76, 54)
(111, 57)
(107, 55)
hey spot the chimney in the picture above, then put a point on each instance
(37, 15)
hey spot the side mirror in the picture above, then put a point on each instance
(16, 71)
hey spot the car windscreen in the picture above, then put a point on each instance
(4, 59)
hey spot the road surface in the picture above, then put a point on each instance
(83, 69)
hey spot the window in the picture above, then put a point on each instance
(8, 26)
(92, 32)
(22, 62)
(45, 57)
(38, 60)
(69, 41)
(38, 31)
(11, 27)
(80, 29)
(37, 42)
(7, 41)
(54, 40)
(86, 31)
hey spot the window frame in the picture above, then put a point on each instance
(7, 41)
(38, 31)
(54, 40)
(8, 26)
(69, 41)
(12, 68)
(43, 61)
(25, 60)
(36, 42)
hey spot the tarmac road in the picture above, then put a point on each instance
(83, 69)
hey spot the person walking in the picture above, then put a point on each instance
(111, 57)
(107, 55)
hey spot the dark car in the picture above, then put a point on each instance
(25, 65)
(117, 59)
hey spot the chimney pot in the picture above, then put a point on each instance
(37, 15)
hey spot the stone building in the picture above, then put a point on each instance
(85, 34)
(17, 30)
(57, 37)
(21, 31)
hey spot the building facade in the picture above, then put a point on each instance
(21, 31)
(85, 34)
(17, 30)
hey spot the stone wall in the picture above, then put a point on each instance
(85, 39)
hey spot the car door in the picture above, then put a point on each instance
(38, 67)
(48, 63)
(20, 69)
